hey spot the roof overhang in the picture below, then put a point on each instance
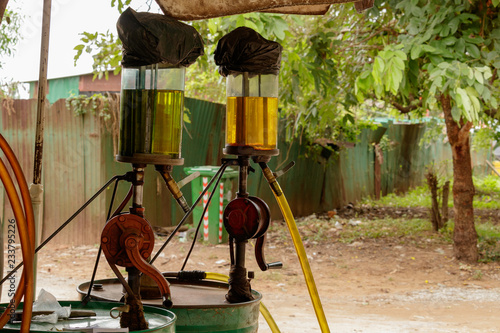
(205, 9)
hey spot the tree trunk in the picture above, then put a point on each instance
(433, 186)
(444, 204)
(377, 170)
(464, 235)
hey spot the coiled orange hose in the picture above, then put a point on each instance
(23, 212)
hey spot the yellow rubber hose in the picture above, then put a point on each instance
(299, 247)
(269, 319)
(263, 310)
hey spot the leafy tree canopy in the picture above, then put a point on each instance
(9, 37)
(442, 47)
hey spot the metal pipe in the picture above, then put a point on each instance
(173, 187)
(240, 253)
(244, 163)
(138, 190)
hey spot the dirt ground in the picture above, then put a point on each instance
(383, 285)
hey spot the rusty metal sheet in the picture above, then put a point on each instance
(88, 84)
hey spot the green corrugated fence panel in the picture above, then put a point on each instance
(80, 157)
(202, 142)
(61, 88)
(302, 185)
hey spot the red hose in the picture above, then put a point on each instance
(23, 213)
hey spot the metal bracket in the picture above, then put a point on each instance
(188, 179)
(284, 170)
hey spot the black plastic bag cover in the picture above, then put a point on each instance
(245, 50)
(149, 38)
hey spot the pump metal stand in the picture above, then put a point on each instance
(239, 285)
(246, 217)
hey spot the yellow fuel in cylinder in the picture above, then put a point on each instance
(167, 124)
(252, 121)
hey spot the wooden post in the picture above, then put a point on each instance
(36, 189)
(377, 170)
(3, 7)
(42, 92)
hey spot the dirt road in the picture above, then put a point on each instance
(383, 285)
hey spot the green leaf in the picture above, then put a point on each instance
(454, 25)
(479, 76)
(473, 50)
(398, 63)
(436, 60)
(487, 73)
(445, 31)
(476, 107)
(417, 11)
(400, 55)
(479, 87)
(455, 113)
(212, 26)
(396, 77)
(494, 103)
(79, 47)
(378, 69)
(350, 118)
(463, 101)
(460, 46)
(240, 21)
(448, 41)
(473, 40)
(416, 51)
(365, 74)
(429, 49)
(251, 25)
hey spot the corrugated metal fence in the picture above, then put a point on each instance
(79, 159)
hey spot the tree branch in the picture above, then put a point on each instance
(494, 76)
(406, 109)
(463, 133)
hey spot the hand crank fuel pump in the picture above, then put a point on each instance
(250, 64)
(152, 106)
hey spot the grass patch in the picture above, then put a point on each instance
(417, 197)
(487, 196)
(414, 229)
(386, 228)
(488, 241)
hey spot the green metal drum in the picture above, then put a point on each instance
(199, 306)
(159, 319)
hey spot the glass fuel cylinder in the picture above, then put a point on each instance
(252, 114)
(151, 115)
